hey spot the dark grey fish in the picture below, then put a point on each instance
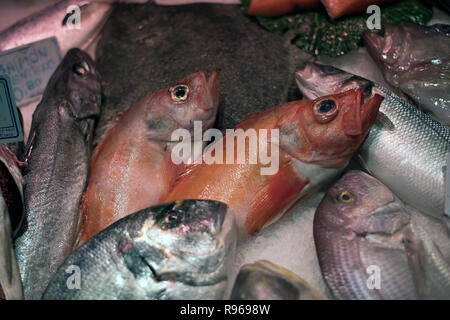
(405, 148)
(416, 59)
(264, 280)
(58, 153)
(371, 247)
(11, 217)
(178, 250)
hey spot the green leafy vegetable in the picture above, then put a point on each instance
(316, 33)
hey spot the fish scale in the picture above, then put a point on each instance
(408, 251)
(147, 256)
(417, 145)
(57, 166)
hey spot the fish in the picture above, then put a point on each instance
(178, 250)
(275, 8)
(53, 21)
(132, 167)
(12, 215)
(415, 59)
(405, 148)
(370, 247)
(316, 140)
(57, 155)
(182, 2)
(339, 8)
(264, 280)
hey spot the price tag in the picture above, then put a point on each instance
(10, 126)
(30, 67)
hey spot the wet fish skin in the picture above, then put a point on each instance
(132, 167)
(361, 224)
(415, 59)
(402, 135)
(49, 22)
(313, 149)
(264, 280)
(177, 250)
(11, 218)
(57, 156)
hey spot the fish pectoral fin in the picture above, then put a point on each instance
(383, 120)
(275, 195)
(415, 252)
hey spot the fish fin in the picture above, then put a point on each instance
(384, 121)
(277, 192)
(415, 249)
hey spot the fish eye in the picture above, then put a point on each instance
(346, 197)
(81, 69)
(171, 219)
(179, 93)
(330, 70)
(325, 110)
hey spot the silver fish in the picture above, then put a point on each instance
(371, 247)
(264, 280)
(416, 59)
(52, 21)
(11, 218)
(57, 153)
(405, 149)
(178, 250)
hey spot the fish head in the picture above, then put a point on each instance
(188, 243)
(328, 130)
(317, 80)
(363, 205)
(77, 80)
(195, 98)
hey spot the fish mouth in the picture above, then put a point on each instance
(212, 85)
(361, 119)
(374, 44)
(204, 263)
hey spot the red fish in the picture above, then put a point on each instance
(274, 8)
(340, 8)
(132, 167)
(316, 140)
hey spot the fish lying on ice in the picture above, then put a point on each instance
(178, 250)
(264, 280)
(416, 59)
(132, 168)
(405, 148)
(370, 247)
(57, 154)
(11, 217)
(316, 140)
